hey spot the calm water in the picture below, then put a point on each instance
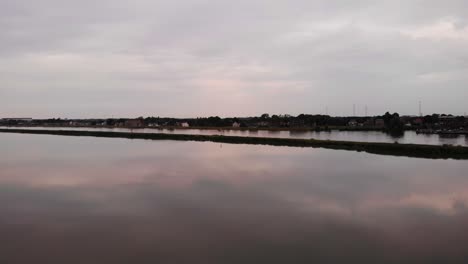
(410, 137)
(96, 200)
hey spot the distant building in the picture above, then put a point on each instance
(22, 119)
(369, 122)
(236, 124)
(352, 123)
(286, 124)
(379, 123)
(134, 123)
(447, 117)
(184, 124)
(297, 123)
(418, 121)
(263, 124)
(16, 121)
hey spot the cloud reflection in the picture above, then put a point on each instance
(126, 201)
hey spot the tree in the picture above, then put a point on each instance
(395, 127)
(387, 117)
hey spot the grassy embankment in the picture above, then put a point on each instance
(394, 149)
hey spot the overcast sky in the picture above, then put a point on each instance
(194, 58)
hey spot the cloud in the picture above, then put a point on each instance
(442, 30)
(199, 58)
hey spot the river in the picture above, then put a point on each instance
(410, 137)
(105, 200)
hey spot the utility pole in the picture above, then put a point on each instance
(420, 108)
(365, 111)
(354, 109)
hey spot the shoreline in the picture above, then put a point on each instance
(298, 129)
(393, 149)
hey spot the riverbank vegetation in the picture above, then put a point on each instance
(393, 124)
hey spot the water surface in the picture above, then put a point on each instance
(410, 137)
(97, 200)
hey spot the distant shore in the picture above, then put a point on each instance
(394, 149)
(299, 129)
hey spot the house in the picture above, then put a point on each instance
(297, 123)
(379, 123)
(23, 119)
(236, 124)
(369, 122)
(134, 123)
(447, 117)
(184, 124)
(286, 124)
(352, 123)
(17, 121)
(418, 121)
(263, 124)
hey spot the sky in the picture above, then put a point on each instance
(191, 58)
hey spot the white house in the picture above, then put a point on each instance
(352, 123)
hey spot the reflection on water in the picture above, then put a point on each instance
(95, 200)
(410, 137)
